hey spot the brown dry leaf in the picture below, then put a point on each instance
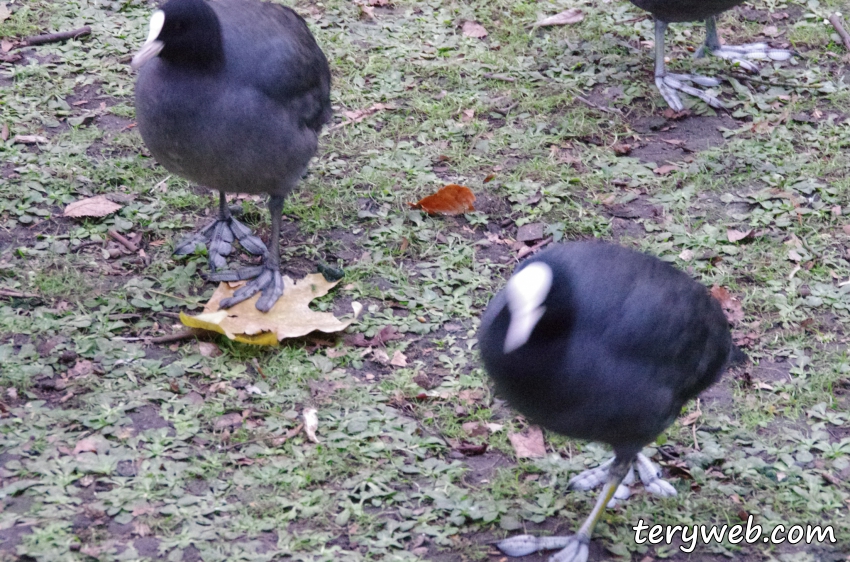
(81, 368)
(771, 31)
(567, 17)
(846, 229)
(452, 199)
(528, 444)
(691, 418)
(622, 149)
(731, 306)
(467, 115)
(387, 333)
(4, 132)
(98, 206)
(665, 169)
(207, 349)
(290, 317)
(359, 115)
(739, 235)
(311, 424)
(86, 445)
(473, 29)
(399, 359)
(5, 13)
(475, 428)
(228, 421)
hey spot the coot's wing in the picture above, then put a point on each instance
(270, 47)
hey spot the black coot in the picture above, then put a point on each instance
(599, 342)
(232, 94)
(671, 11)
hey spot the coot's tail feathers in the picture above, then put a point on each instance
(736, 357)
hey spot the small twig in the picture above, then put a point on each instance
(11, 293)
(505, 110)
(123, 241)
(168, 314)
(599, 107)
(179, 336)
(502, 77)
(54, 37)
(835, 20)
(85, 245)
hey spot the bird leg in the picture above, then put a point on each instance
(668, 83)
(650, 476)
(265, 278)
(595, 477)
(575, 547)
(739, 54)
(219, 237)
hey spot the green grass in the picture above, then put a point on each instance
(157, 472)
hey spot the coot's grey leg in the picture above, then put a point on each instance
(219, 237)
(265, 278)
(595, 477)
(575, 547)
(668, 84)
(739, 54)
(650, 475)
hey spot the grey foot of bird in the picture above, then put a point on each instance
(219, 237)
(574, 547)
(668, 84)
(742, 55)
(650, 476)
(265, 279)
(596, 477)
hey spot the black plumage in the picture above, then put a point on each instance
(599, 342)
(232, 94)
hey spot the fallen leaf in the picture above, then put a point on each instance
(470, 449)
(5, 47)
(81, 368)
(731, 306)
(567, 17)
(528, 444)
(290, 317)
(207, 349)
(452, 199)
(30, 139)
(686, 255)
(4, 132)
(98, 206)
(691, 418)
(86, 445)
(399, 359)
(366, 12)
(846, 229)
(489, 178)
(379, 355)
(622, 149)
(475, 428)
(739, 235)
(5, 13)
(311, 424)
(228, 421)
(665, 169)
(467, 115)
(387, 333)
(770, 31)
(473, 29)
(794, 256)
(361, 114)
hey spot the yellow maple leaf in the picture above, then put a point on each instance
(290, 317)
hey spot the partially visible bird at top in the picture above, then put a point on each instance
(673, 11)
(232, 94)
(599, 342)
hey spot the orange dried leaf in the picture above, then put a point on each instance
(451, 200)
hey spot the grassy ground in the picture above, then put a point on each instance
(112, 448)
